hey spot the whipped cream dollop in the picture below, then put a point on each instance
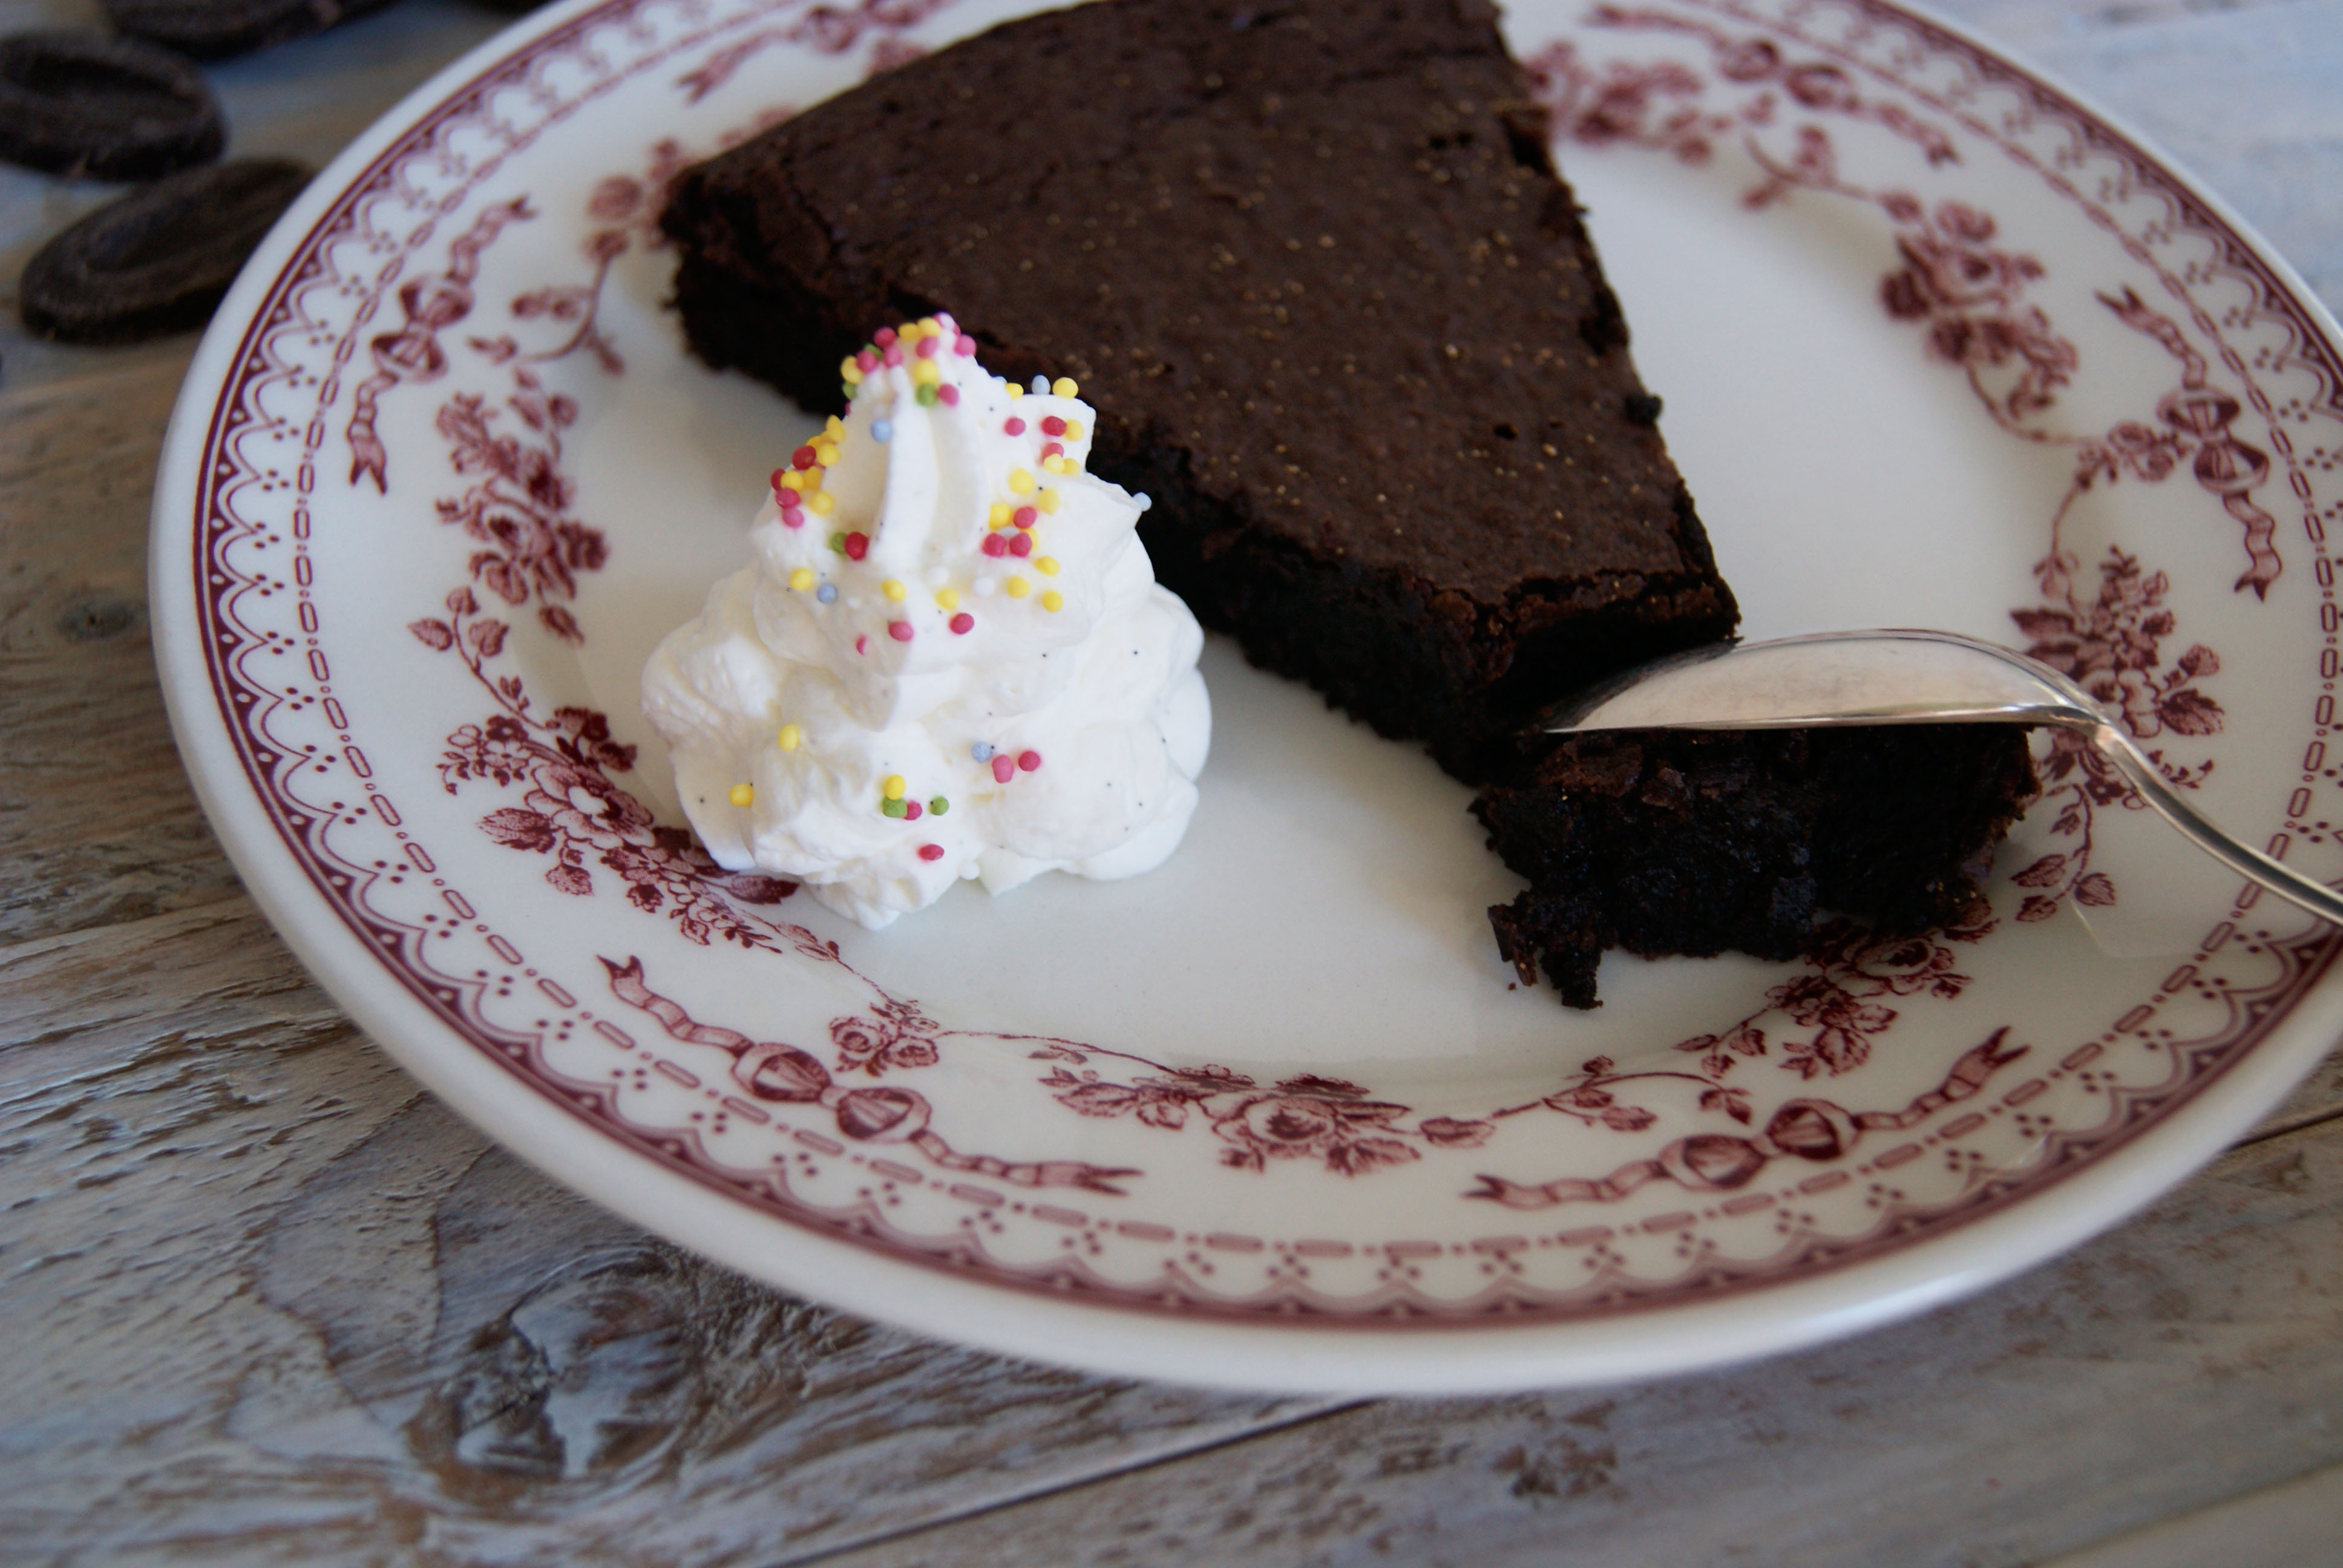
(950, 660)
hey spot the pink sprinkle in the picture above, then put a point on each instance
(885, 338)
(1015, 426)
(944, 320)
(1023, 545)
(792, 508)
(1028, 760)
(803, 459)
(1024, 516)
(948, 395)
(911, 810)
(961, 623)
(863, 645)
(1054, 426)
(792, 518)
(929, 852)
(995, 545)
(894, 354)
(858, 545)
(964, 346)
(776, 480)
(1003, 770)
(901, 630)
(1053, 449)
(926, 349)
(865, 361)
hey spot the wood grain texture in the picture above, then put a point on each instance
(270, 1302)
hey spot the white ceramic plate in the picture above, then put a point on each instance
(1939, 347)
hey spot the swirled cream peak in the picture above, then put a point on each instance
(949, 658)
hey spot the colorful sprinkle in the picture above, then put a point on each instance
(1014, 426)
(1047, 500)
(1040, 385)
(994, 545)
(998, 515)
(901, 630)
(925, 397)
(851, 371)
(931, 851)
(891, 808)
(856, 545)
(1015, 392)
(1022, 545)
(948, 598)
(779, 476)
(925, 372)
(1018, 587)
(743, 795)
(1021, 482)
(1046, 565)
(948, 395)
(1030, 761)
(1064, 386)
(1053, 602)
(1024, 516)
(884, 337)
(894, 355)
(926, 348)
(1003, 770)
(865, 361)
(893, 589)
(803, 457)
(792, 518)
(791, 737)
(1053, 449)
(822, 502)
(964, 346)
(791, 481)
(962, 624)
(981, 751)
(1073, 429)
(863, 645)
(801, 579)
(882, 430)
(893, 787)
(937, 805)
(911, 811)
(1054, 426)
(827, 593)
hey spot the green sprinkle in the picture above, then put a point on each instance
(891, 808)
(925, 397)
(838, 543)
(938, 806)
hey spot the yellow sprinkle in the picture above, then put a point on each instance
(1018, 587)
(948, 597)
(1054, 600)
(927, 327)
(1021, 482)
(1046, 565)
(1047, 500)
(826, 453)
(793, 481)
(924, 373)
(822, 501)
(892, 590)
(835, 427)
(801, 579)
(791, 737)
(1073, 429)
(999, 517)
(1064, 386)
(1054, 464)
(852, 372)
(1015, 391)
(743, 795)
(893, 788)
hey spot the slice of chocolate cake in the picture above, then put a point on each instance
(1693, 842)
(1340, 318)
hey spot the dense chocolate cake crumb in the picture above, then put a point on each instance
(1313, 266)
(1689, 842)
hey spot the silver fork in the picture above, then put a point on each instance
(1897, 677)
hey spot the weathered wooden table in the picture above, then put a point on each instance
(266, 1300)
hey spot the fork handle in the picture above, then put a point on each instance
(2143, 776)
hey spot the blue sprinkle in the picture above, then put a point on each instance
(882, 430)
(1142, 499)
(827, 593)
(981, 751)
(1040, 385)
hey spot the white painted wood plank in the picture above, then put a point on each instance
(2299, 1525)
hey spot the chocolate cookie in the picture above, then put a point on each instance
(157, 260)
(83, 104)
(216, 29)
